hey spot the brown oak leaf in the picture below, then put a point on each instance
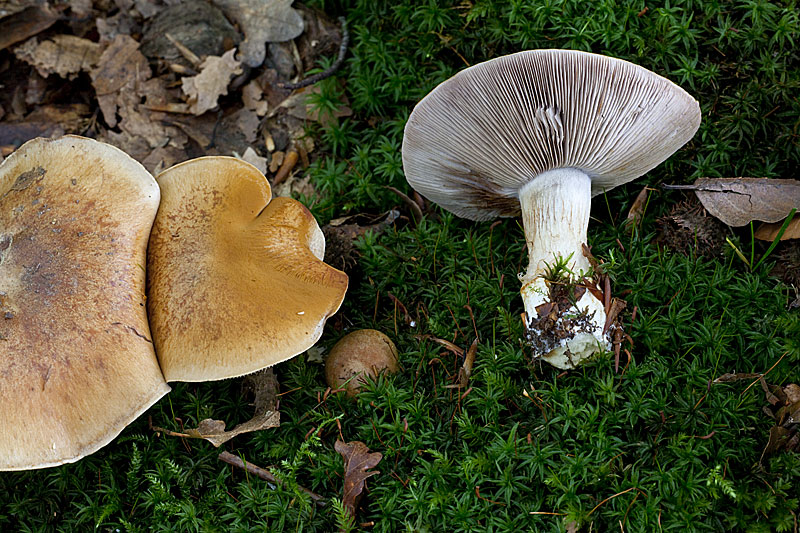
(357, 462)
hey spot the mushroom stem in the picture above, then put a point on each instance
(555, 216)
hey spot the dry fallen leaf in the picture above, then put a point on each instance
(727, 378)
(357, 463)
(299, 106)
(737, 201)
(254, 159)
(18, 25)
(120, 65)
(214, 430)
(80, 8)
(130, 99)
(65, 55)
(768, 231)
(252, 97)
(212, 82)
(199, 26)
(636, 211)
(263, 21)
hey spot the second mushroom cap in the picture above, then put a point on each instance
(236, 281)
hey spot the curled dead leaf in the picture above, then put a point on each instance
(769, 231)
(636, 212)
(214, 430)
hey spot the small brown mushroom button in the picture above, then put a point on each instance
(365, 352)
(76, 360)
(538, 133)
(236, 281)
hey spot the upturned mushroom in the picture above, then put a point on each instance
(76, 361)
(236, 281)
(539, 133)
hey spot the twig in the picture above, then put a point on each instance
(409, 321)
(328, 72)
(478, 494)
(286, 168)
(190, 56)
(416, 210)
(610, 497)
(266, 475)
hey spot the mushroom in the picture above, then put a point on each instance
(364, 352)
(540, 132)
(236, 281)
(76, 360)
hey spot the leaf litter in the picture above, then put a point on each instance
(783, 410)
(264, 387)
(737, 201)
(358, 465)
(154, 103)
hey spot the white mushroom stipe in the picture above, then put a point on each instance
(555, 216)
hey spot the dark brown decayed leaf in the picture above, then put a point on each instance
(199, 26)
(357, 462)
(342, 233)
(264, 386)
(26, 23)
(737, 201)
(784, 409)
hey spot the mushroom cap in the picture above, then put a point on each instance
(478, 137)
(76, 360)
(236, 281)
(364, 352)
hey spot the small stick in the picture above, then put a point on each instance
(286, 168)
(266, 475)
(190, 56)
(416, 210)
(610, 497)
(327, 73)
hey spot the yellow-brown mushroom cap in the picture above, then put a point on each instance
(76, 360)
(236, 281)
